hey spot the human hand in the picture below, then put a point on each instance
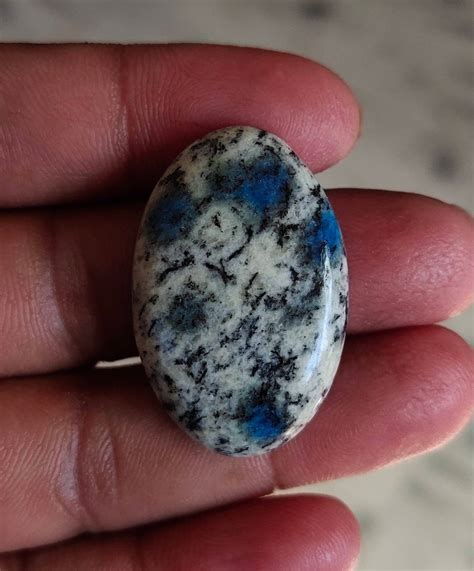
(84, 134)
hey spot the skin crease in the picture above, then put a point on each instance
(91, 450)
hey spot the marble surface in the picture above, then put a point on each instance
(240, 291)
(410, 64)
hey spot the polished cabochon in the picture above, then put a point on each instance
(240, 291)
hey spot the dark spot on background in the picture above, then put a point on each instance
(444, 164)
(5, 11)
(449, 470)
(463, 73)
(463, 30)
(422, 494)
(367, 521)
(416, 78)
(317, 9)
(457, 3)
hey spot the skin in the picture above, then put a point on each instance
(84, 134)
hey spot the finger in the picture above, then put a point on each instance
(79, 123)
(411, 258)
(65, 275)
(95, 451)
(299, 532)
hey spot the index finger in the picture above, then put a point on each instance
(84, 123)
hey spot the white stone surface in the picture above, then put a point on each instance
(240, 291)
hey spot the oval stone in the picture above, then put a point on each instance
(240, 291)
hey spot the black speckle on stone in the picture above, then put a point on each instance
(175, 266)
(220, 271)
(152, 300)
(284, 232)
(211, 147)
(217, 221)
(241, 449)
(204, 203)
(278, 367)
(169, 406)
(298, 400)
(192, 419)
(237, 136)
(170, 384)
(151, 328)
(316, 191)
(276, 301)
(256, 300)
(174, 179)
(316, 286)
(249, 285)
(195, 364)
(191, 284)
(295, 276)
(221, 366)
(236, 253)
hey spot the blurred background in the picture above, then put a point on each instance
(410, 64)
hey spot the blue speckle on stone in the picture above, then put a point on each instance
(186, 312)
(264, 423)
(171, 217)
(264, 185)
(260, 184)
(323, 232)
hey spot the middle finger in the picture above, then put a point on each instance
(65, 274)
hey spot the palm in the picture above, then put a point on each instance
(84, 133)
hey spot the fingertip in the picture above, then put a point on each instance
(412, 256)
(303, 532)
(346, 539)
(448, 376)
(299, 100)
(339, 130)
(460, 239)
(447, 267)
(431, 396)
